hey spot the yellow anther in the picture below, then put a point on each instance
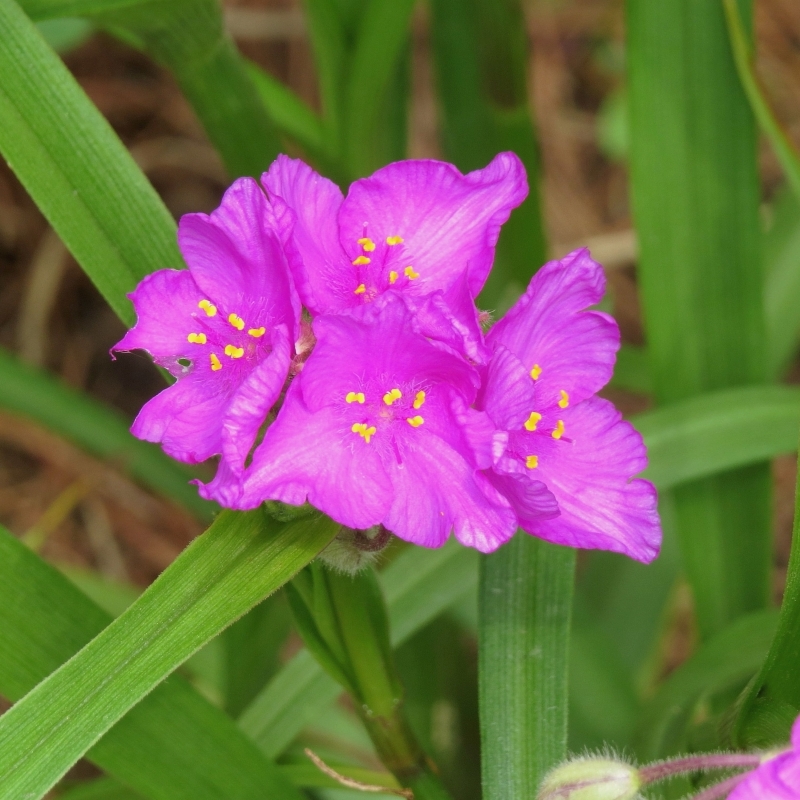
(216, 364)
(367, 244)
(391, 396)
(415, 422)
(393, 276)
(532, 421)
(208, 307)
(197, 338)
(355, 397)
(419, 399)
(393, 240)
(531, 462)
(409, 273)
(236, 321)
(233, 351)
(536, 371)
(559, 431)
(362, 430)
(360, 289)
(256, 333)
(357, 262)
(564, 401)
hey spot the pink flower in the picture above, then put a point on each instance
(225, 328)
(550, 356)
(377, 429)
(778, 778)
(420, 229)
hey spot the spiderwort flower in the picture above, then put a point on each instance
(224, 328)
(549, 358)
(778, 778)
(377, 429)
(417, 228)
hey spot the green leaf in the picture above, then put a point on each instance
(717, 431)
(523, 636)
(64, 35)
(727, 659)
(418, 586)
(100, 789)
(223, 573)
(695, 191)
(76, 169)
(632, 370)
(97, 429)
(173, 744)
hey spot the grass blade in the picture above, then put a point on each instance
(218, 578)
(696, 196)
(76, 169)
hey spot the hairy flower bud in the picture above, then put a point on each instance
(353, 550)
(591, 779)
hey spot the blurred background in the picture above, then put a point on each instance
(83, 514)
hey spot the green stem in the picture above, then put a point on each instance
(525, 608)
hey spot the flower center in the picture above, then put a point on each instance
(380, 408)
(381, 265)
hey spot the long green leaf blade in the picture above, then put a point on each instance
(214, 581)
(696, 196)
(76, 169)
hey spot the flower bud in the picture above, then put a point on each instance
(591, 779)
(353, 550)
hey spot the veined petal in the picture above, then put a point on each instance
(549, 330)
(531, 500)
(449, 223)
(166, 305)
(589, 471)
(776, 779)
(253, 399)
(236, 258)
(308, 456)
(436, 491)
(318, 263)
(508, 395)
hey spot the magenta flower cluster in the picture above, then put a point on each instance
(383, 402)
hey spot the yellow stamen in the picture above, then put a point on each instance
(393, 276)
(233, 351)
(390, 397)
(532, 421)
(559, 431)
(216, 364)
(564, 401)
(208, 307)
(354, 397)
(236, 321)
(197, 338)
(419, 399)
(357, 262)
(531, 462)
(415, 422)
(256, 333)
(360, 289)
(362, 430)
(367, 244)
(393, 240)
(536, 371)
(409, 273)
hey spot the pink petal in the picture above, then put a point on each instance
(253, 399)
(318, 263)
(776, 779)
(589, 473)
(509, 394)
(531, 500)
(311, 456)
(166, 307)
(549, 327)
(449, 222)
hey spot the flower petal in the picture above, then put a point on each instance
(235, 255)
(548, 327)
(531, 500)
(776, 779)
(306, 455)
(449, 223)
(166, 307)
(318, 263)
(508, 394)
(253, 399)
(436, 491)
(589, 473)
(185, 418)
